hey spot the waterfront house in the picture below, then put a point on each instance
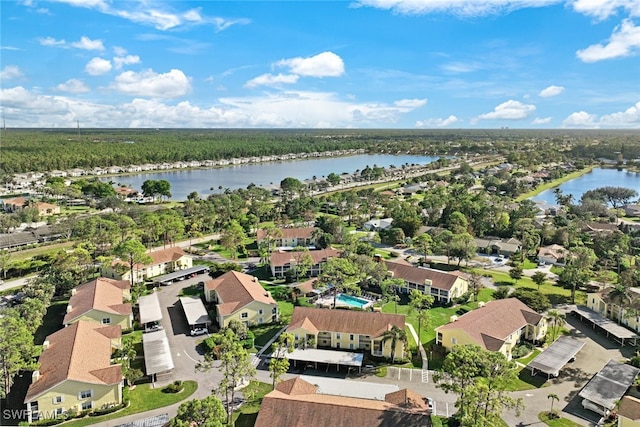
(495, 326)
(76, 373)
(632, 210)
(287, 238)
(163, 261)
(622, 308)
(240, 296)
(346, 330)
(102, 300)
(282, 261)
(298, 403)
(443, 286)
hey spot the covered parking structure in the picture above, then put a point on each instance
(618, 332)
(149, 310)
(608, 386)
(551, 360)
(167, 279)
(326, 357)
(195, 312)
(157, 354)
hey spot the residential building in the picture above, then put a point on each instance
(553, 254)
(240, 296)
(76, 372)
(19, 203)
(600, 227)
(497, 246)
(495, 326)
(346, 330)
(443, 286)
(283, 261)
(103, 301)
(608, 305)
(289, 237)
(163, 261)
(297, 403)
(632, 210)
(629, 412)
(378, 224)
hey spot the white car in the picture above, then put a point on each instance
(198, 331)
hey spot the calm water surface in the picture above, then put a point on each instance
(264, 174)
(590, 181)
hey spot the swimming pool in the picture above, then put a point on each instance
(352, 301)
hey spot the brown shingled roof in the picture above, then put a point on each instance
(157, 257)
(235, 290)
(289, 233)
(100, 294)
(346, 321)
(439, 279)
(490, 325)
(300, 406)
(80, 352)
(629, 407)
(285, 257)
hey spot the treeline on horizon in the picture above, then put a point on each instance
(25, 150)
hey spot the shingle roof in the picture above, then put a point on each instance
(629, 407)
(439, 279)
(490, 325)
(282, 258)
(100, 294)
(289, 233)
(295, 403)
(235, 290)
(157, 257)
(80, 352)
(554, 251)
(345, 321)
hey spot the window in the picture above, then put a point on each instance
(454, 341)
(57, 400)
(244, 315)
(87, 405)
(337, 336)
(59, 411)
(106, 321)
(351, 337)
(86, 394)
(260, 311)
(439, 340)
(260, 320)
(337, 345)
(350, 346)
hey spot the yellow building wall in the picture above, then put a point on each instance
(253, 314)
(452, 337)
(627, 422)
(346, 343)
(612, 311)
(116, 319)
(70, 391)
(459, 288)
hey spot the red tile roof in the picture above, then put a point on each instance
(288, 233)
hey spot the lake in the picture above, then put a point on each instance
(184, 182)
(590, 181)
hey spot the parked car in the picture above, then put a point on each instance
(429, 401)
(198, 331)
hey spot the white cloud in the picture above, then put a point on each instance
(602, 9)
(510, 110)
(410, 103)
(439, 122)
(325, 64)
(580, 119)
(272, 80)
(50, 41)
(541, 121)
(119, 61)
(119, 50)
(551, 91)
(11, 72)
(151, 84)
(464, 8)
(627, 118)
(624, 41)
(98, 66)
(87, 44)
(73, 86)
(461, 67)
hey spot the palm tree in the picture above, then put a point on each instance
(556, 319)
(553, 397)
(394, 335)
(622, 296)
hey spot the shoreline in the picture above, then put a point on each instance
(555, 183)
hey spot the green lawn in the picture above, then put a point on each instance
(525, 360)
(52, 321)
(265, 332)
(556, 422)
(41, 250)
(143, 398)
(529, 265)
(247, 414)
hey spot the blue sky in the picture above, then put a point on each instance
(327, 64)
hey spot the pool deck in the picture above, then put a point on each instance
(327, 301)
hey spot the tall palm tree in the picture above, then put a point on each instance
(556, 319)
(394, 335)
(553, 397)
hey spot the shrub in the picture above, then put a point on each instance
(174, 387)
(521, 350)
(107, 410)
(48, 421)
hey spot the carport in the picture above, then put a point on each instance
(608, 386)
(167, 279)
(195, 312)
(550, 361)
(157, 354)
(149, 308)
(618, 332)
(327, 357)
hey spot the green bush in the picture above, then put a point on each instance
(107, 410)
(48, 421)
(521, 350)
(174, 387)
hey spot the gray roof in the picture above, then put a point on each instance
(149, 307)
(331, 357)
(610, 384)
(196, 269)
(195, 311)
(157, 354)
(557, 355)
(349, 388)
(608, 325)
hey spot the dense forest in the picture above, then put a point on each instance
(24, 150)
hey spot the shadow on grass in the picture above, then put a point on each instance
(536, 381)
(246, 420)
